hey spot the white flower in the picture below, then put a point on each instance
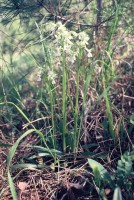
(89, 54)
(58, 52)
(68, 43)
(52, 76)
(74, 34)
(39, 75)
(82, 39)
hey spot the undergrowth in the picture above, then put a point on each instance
(70, 118)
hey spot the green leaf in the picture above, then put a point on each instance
(14, 147)
(12, 188)
(132, 119)
(87, 146)
(87, 154)
(43, 149)
(9, 159)
(97, 176)
(29, 166)
(103, 172)
(124, 169)
(132, 155)
(46, 154)
(117, 194)
(5, 145)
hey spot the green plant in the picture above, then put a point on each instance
(122, 178)
(67, 48)
(73, 93)
(124, 170)
(101, 177)
(108, 73)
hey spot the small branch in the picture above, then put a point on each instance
(84, 24)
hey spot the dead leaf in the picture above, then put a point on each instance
(107, 191)
(22, 186)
